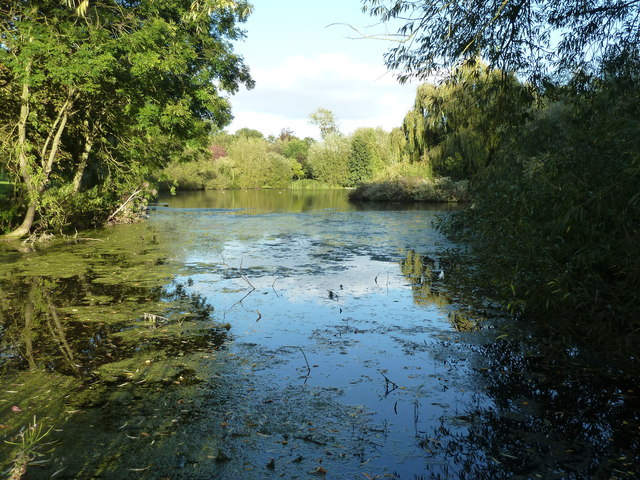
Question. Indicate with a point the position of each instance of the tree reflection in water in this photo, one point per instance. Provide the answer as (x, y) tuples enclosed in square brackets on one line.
[(554, 410), (105, 355)]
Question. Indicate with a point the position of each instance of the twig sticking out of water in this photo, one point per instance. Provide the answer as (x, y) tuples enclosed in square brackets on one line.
[(274, 283), (303, 354), (242, 275), (239, 302), (388, 382)]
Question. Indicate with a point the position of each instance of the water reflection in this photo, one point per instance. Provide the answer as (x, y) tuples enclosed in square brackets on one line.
[(94, 348), (545, 408), (427, 276), (290, 201), (552, 416), (355, 346)]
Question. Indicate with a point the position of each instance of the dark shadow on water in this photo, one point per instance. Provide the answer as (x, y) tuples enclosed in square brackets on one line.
[(138, 379), (555, 410)]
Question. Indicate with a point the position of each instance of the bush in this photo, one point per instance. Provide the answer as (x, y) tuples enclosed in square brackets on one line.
[(556, 219), (413, 190), (249, 164)]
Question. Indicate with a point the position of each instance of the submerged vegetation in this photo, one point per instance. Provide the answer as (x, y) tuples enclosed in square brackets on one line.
[(99, 333)]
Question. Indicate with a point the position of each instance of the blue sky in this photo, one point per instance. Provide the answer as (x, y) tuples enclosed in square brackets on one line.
[(302, 56)]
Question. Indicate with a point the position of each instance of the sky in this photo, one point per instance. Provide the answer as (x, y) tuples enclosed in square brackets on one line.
[(303, 55)]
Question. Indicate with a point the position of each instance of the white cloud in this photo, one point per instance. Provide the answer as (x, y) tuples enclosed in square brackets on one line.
[(359, 94)]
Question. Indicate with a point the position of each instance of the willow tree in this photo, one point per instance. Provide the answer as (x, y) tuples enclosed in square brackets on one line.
[(457, 125), (555, 216), (537, 38), (121, 87)]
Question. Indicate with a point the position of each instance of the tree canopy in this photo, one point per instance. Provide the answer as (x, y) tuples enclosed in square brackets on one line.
[(458, 124), (93, 102), (532, 37), (326, 121)]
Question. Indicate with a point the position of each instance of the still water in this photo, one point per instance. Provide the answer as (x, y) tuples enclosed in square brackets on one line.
[(280, 334)]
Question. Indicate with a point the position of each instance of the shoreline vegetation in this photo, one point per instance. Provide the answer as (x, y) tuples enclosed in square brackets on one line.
[(405, 190), (550, 164)]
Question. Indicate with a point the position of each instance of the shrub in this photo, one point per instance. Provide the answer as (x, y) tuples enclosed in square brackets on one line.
[(555, 220), (329, 160), (413, 190)]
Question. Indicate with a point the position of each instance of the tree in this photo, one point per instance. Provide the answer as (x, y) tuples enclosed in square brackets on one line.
[(555, 218), (326, 121), (119, 92), (249, 133), (298, 150), (329, 160), (458, 124), (527, 36), (365, 157)]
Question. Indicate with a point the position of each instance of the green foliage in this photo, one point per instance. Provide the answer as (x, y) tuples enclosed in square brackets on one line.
[(395, 171), (329, 160), (108, 99), (413, 190), (458, 124), (309, 184), (556, 219), (326, 121), (512, 36), (249, 164), (298, 150), (258, 167), (365, 158), (249, 133)]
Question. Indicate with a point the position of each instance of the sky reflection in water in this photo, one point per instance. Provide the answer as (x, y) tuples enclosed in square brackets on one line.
[(347, 355)]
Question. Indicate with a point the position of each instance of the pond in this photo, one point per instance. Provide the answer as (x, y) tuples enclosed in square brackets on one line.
[(289, 334)]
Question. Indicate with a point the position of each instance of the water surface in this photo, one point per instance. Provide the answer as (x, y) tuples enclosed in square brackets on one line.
[(279, 334)]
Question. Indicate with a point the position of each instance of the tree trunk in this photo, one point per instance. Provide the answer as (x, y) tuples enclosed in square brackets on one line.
[(84, 158), (24, 228), (34, 191)]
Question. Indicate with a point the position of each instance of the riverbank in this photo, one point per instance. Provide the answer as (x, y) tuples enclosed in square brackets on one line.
[(413, 190)]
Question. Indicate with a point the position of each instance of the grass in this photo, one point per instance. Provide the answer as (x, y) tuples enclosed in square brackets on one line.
[(308, 184), (30, 438)]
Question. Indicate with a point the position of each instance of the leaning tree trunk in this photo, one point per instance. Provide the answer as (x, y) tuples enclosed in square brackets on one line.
[(25, 226), (47, 156), (29, 217), (89, 137)]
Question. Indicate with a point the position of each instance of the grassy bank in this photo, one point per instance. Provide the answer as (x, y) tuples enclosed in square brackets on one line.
[(413, 190)]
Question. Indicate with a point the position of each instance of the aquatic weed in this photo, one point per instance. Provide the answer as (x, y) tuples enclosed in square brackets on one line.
[(29, 443)]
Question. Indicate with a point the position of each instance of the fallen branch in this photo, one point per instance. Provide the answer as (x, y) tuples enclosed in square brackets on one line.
[(274, 284), (388, 382), (303, 354), (244, 277), (126, 202), (239, 302)]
